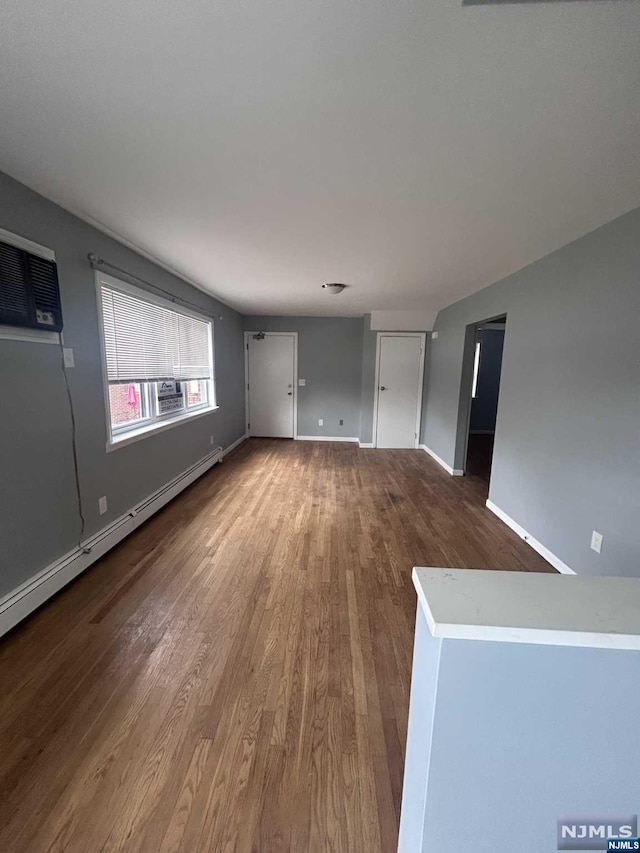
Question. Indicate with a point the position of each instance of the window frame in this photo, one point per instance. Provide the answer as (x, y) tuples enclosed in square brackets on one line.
[(153, 423), (119, 429), (206, 384), (477, 361)]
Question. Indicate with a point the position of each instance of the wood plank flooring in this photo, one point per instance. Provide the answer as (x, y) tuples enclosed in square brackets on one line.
[(235, 675)]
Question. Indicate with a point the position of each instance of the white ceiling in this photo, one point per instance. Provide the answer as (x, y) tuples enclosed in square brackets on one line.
[(416, 149)]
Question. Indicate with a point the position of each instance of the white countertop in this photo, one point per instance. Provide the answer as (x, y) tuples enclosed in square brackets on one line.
[(526, 607)]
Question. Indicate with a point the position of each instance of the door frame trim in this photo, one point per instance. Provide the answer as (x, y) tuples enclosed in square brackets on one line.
[(294, 335), (423, 346)]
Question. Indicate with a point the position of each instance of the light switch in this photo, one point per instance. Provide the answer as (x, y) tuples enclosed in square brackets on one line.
[(302, 381), (69, 360)]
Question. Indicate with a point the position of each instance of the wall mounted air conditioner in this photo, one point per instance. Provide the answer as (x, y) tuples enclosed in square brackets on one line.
[(29, 291)]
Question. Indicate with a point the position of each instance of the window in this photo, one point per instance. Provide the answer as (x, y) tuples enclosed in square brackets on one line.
[(476, 371), (158, 361)]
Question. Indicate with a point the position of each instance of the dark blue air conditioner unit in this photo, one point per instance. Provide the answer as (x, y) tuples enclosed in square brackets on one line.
[(29, 291)]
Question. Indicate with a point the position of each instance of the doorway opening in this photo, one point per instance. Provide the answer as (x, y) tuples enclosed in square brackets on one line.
[(488, 345)]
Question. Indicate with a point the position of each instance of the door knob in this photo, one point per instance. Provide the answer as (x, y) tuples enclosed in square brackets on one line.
[(289, 393), (382, 388)]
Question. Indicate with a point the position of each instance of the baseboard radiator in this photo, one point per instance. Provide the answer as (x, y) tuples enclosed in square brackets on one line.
[(23, 600)]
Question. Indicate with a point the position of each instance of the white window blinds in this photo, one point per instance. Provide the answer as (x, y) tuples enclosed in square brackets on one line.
[(146, 342)]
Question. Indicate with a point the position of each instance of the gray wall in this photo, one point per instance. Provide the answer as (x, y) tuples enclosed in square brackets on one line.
[(368, 390), (566, 456), (330, 359), (39, 520), (484, 408)]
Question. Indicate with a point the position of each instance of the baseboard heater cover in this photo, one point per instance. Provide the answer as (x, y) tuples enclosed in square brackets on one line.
[(23, 600)]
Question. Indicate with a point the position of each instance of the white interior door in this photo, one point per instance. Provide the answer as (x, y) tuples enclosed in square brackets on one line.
[(399, 392), (271, 380)]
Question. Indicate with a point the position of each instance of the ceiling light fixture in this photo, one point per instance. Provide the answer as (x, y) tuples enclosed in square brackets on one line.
[(334, 287)]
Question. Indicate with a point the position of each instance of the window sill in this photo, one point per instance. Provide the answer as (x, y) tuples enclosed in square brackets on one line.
[(130, 436), (31, 336)]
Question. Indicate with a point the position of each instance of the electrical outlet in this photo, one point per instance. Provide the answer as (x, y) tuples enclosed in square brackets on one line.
[(320, 422), (596, 541), (302, 381), (341, 422), (102, 504), (69, 360)]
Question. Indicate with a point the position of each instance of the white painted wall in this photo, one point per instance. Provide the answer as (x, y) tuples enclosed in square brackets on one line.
[(403, 321)]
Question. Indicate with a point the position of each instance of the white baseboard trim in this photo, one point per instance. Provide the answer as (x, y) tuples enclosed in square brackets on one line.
[(556, 562), (324, 438), (365, 444), (235, 444), (455, 472), (23, 600)]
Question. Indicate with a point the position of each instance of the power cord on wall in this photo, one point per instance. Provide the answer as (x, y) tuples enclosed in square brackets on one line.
[(74, 448)]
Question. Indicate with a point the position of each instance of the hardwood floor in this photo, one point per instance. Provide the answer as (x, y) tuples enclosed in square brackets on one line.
[(235, 675)]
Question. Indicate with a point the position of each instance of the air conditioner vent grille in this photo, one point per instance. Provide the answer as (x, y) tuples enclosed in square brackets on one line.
[(44, 278), (29, 292), (14, 300)]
